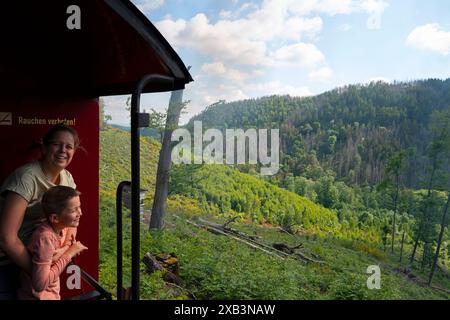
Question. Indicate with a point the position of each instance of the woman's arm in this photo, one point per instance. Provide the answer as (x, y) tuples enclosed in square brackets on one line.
[(10, 221)]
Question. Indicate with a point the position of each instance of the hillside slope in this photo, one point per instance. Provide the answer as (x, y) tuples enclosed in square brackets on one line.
[(233, 192), (217, 267), (115, 160), (351, 130)]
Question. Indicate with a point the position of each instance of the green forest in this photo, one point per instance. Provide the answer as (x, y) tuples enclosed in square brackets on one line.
[(364, 180)]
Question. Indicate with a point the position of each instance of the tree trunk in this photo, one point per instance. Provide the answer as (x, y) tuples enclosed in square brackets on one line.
[(426, 247), (397, 178), (416, 242), (154, 264), (443, 135), (419, 232), (401, 248), (164, 163), (422, 265), (441, 234)]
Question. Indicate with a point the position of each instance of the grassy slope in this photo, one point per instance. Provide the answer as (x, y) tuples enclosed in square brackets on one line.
[(231, 192), (215, 267)]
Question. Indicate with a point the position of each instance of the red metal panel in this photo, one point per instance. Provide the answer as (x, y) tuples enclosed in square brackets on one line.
[(24, 121)]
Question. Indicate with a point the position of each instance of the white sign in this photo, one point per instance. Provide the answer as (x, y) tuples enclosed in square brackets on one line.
[(5, 118)]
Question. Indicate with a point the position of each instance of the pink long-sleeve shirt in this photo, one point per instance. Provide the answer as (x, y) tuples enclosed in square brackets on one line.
[(44, 282)]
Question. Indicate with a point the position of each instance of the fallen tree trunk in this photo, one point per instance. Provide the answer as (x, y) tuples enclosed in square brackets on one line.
[(250, 241), (299, 255), (217, 231), (153, 265)]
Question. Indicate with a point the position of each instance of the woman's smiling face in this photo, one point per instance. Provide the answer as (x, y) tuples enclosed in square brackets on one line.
[(60, 150)]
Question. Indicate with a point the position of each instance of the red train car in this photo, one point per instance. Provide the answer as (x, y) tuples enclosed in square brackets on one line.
[(57, 58)]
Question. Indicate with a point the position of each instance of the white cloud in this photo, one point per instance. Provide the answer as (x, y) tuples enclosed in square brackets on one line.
[(244, 40), (334, 7), (233, 15), (220, 40), (247, 6), (430, 37), (321, 74), (115, 107), (274, 20), (276, 87), (171, 29), (374, 8), (299, 54), (252, 39), (225, 14), (297, 27), (214, 68), (148, 5), (218, 68), (329, 7)]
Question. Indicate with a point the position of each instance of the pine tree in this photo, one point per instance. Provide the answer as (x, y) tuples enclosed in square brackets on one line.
[(437, 152), (394, 169)]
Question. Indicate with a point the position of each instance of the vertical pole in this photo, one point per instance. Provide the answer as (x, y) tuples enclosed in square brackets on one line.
[(137, 121), (119, 265), (135, 189)]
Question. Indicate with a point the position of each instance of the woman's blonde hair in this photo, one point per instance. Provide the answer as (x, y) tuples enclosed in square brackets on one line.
[(46, 140)]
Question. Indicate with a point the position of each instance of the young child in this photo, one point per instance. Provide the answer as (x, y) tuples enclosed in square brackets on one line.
[(50, 251)]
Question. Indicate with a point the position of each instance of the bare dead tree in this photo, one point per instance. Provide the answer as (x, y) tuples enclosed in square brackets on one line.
[(159, 208)]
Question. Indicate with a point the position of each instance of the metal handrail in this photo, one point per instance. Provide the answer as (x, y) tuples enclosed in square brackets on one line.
[(98, 293), (119, 233)]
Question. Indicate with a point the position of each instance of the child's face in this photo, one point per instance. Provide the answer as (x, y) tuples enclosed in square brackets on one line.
[(70, 217)]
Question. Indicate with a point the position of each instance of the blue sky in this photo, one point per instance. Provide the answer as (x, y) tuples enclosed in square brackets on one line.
[(242, 49)]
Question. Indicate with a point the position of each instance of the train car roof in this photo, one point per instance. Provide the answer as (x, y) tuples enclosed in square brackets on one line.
[(114, 48)]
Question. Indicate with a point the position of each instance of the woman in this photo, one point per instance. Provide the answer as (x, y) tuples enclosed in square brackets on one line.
[(21, 210)]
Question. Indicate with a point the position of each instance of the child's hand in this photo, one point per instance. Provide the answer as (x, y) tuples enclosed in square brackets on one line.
[(75, 249), (70, 241), (59, 252)]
